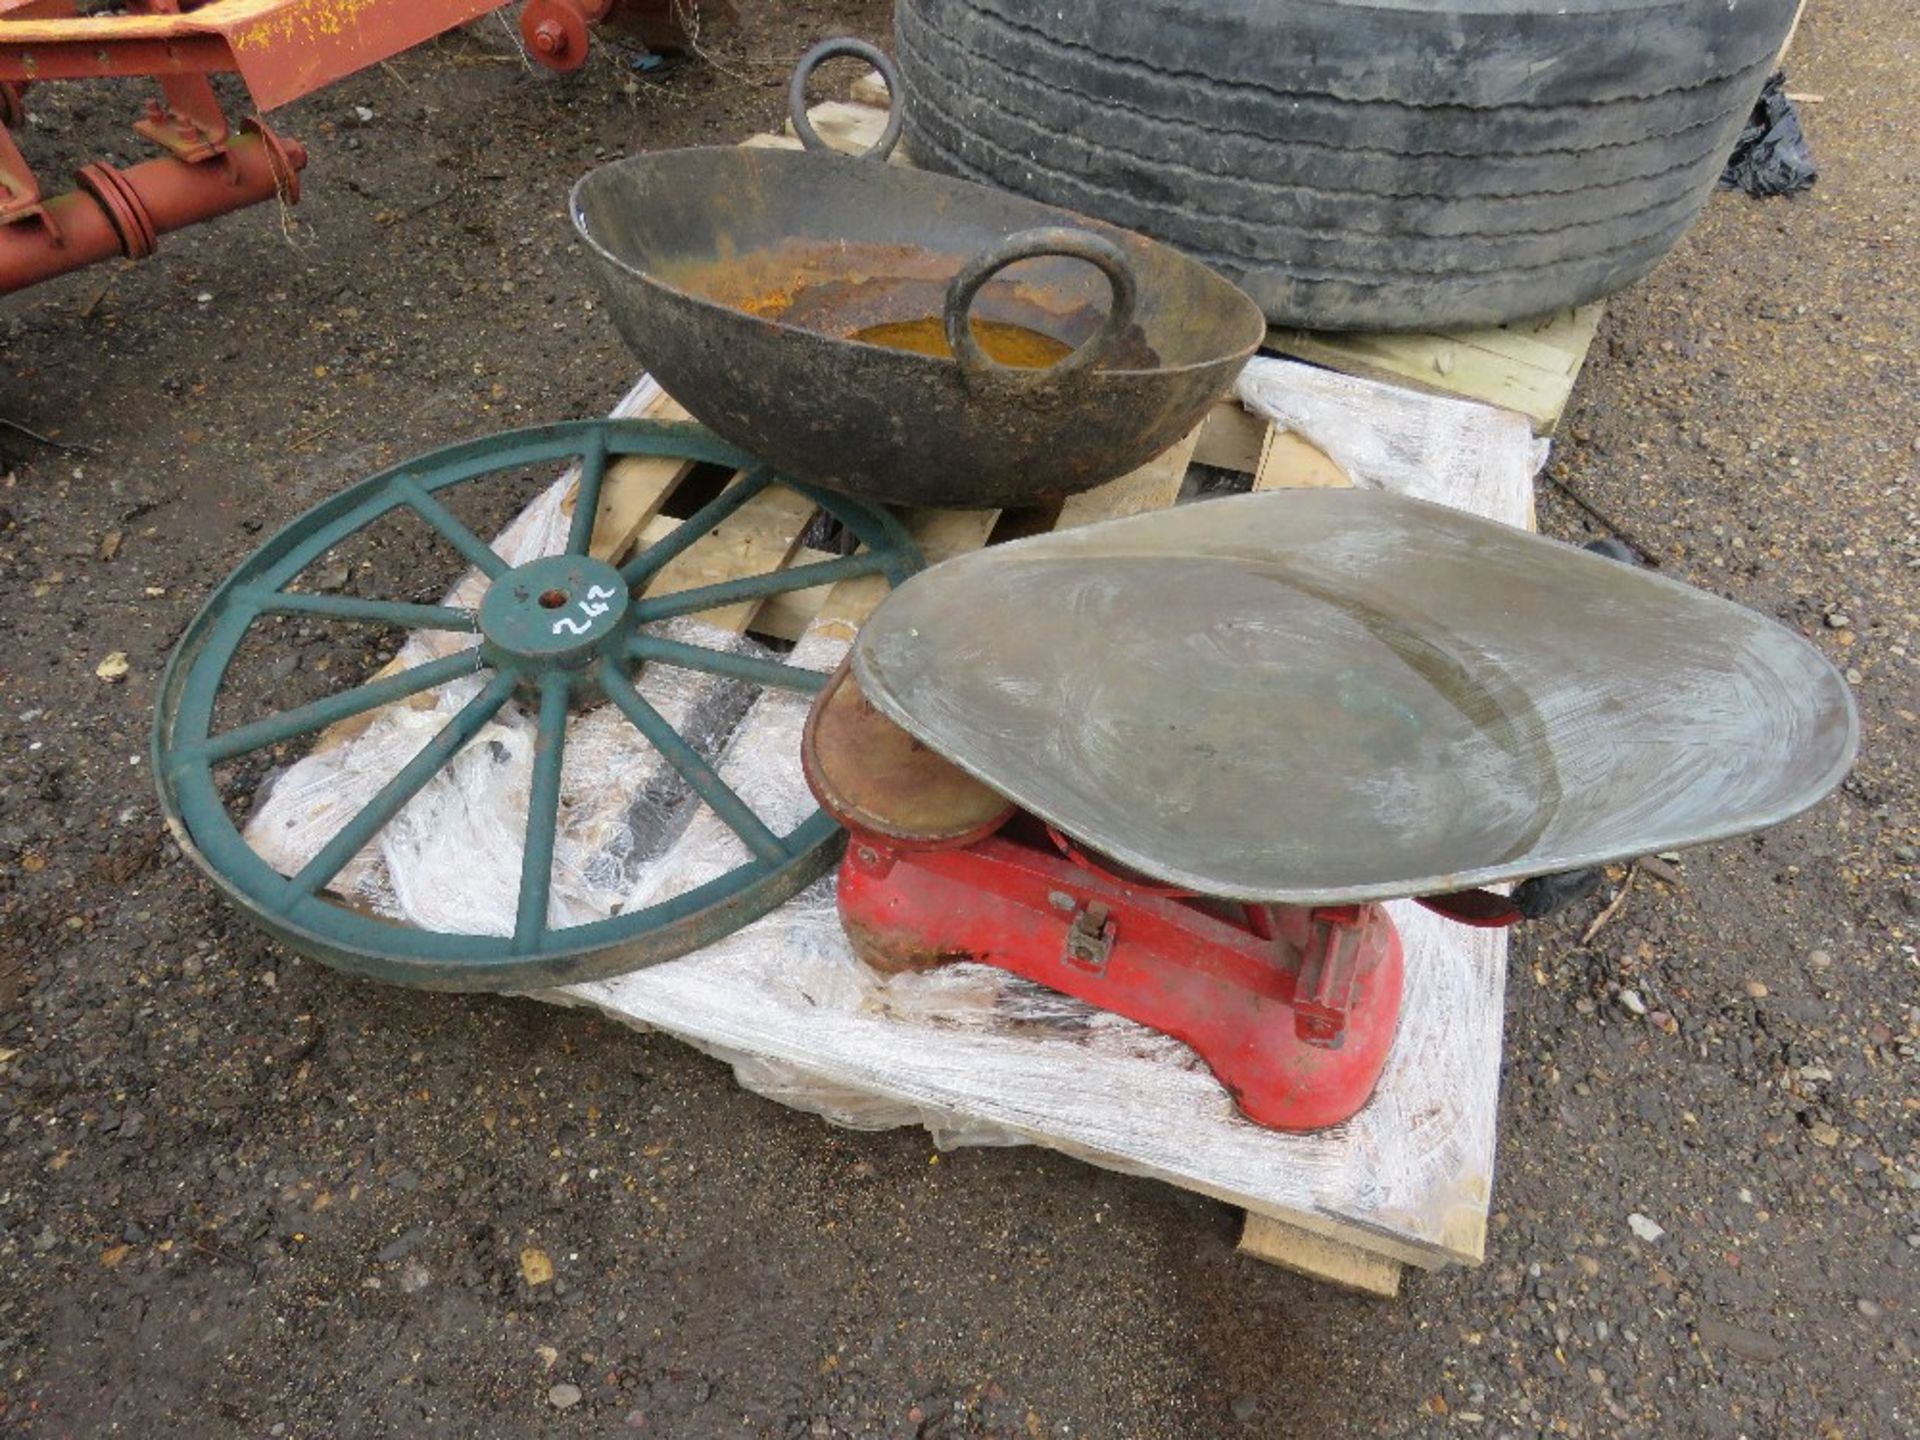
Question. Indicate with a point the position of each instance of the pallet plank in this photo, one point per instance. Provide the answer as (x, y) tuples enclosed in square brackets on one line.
[(1293, 462), (1153, 486), (850, 128), (635, 488), (940, 534), (1318, 1256), (1231, 438), (759, 537), (1528, 366)]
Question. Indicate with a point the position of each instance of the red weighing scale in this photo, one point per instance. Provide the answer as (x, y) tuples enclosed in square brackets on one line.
[(1173, 764)]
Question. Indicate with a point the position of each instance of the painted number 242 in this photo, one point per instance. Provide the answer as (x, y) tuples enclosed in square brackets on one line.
[(593, 607)]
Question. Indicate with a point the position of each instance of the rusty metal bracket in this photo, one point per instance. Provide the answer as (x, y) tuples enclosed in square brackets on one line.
[(281, 49)]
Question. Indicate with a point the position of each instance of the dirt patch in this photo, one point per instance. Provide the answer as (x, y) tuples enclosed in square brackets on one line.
[(243, 1195)]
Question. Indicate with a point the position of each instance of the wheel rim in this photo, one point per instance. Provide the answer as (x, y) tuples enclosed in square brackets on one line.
[(553, 633)]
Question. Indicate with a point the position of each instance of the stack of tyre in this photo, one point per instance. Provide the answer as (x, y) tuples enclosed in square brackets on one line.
[(1355, 164)]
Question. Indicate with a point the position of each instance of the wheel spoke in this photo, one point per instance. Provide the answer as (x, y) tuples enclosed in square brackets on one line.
[(477, 552), (754, 587), (655, 558), (543, 815), (586, 494), (305, 719), (706, 783), (721, 662), (394, 795), (373, 612)]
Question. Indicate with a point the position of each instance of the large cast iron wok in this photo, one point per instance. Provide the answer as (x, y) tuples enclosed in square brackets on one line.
[(741, 278)]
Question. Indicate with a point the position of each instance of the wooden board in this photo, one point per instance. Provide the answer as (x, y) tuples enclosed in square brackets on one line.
[(1334, 1261), (846, 126), (1289, 461), (1527, 365)]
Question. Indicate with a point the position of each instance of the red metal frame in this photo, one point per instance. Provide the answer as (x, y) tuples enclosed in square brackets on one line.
[(281, 49), (1294, 1010)]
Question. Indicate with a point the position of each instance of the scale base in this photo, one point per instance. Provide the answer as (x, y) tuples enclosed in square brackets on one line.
[(1293, 1009)]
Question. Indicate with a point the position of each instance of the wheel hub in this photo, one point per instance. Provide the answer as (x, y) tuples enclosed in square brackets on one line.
[(557, 612)]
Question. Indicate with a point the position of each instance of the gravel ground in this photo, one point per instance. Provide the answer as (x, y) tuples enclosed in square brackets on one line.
[(244, 1196)]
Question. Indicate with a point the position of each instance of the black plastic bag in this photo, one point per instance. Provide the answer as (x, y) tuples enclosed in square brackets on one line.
[(1771, 156)]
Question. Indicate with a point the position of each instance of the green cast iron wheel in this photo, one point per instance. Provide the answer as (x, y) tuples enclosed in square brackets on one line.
[(525, 652)]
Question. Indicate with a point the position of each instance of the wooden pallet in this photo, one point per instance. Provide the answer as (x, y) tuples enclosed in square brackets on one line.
[(1353, 1251), (1407, 1183), (1338, 1242)]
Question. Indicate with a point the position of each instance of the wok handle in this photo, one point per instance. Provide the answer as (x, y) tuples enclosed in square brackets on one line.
[(1084, 245), (828, 50)]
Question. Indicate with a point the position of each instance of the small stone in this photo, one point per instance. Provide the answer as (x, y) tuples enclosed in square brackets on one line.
[(205, 297), (1244, 1408), (1630, 1000), (535, 1267), (1824, 1134), (363, 114), (1645, 1228), (1819, 1074), (1856, 677), (1839, 620), (563, 1396), (1819, 959), (1741, 1341), (1872, 1309), (547, 1356), (1757, 989), (113, 668), (414, 1277)]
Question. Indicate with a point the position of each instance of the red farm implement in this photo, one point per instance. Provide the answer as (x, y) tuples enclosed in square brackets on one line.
[(280, 49)]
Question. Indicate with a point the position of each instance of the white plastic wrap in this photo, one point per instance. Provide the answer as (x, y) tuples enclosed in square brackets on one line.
[(1453, 452)]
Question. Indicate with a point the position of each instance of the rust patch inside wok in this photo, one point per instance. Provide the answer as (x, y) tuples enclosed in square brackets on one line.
[(893, 295), (1013, 345)]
